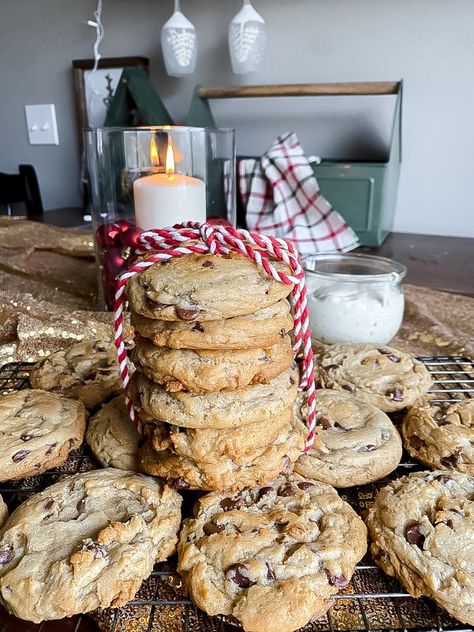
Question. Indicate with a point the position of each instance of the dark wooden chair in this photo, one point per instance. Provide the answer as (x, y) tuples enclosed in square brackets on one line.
[(21, 187)]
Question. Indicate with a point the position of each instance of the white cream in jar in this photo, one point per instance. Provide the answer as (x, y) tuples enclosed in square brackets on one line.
[(354, 298)]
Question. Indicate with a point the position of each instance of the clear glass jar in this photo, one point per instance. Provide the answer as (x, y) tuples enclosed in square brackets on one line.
[(354, 298)]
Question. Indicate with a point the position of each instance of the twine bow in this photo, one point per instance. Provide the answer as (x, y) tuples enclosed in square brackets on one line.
[(162, 244)]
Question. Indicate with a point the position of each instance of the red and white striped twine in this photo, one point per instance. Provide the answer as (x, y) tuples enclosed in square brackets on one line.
[(165, 243)]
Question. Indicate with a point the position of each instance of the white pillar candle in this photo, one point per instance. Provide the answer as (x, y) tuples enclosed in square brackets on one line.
[(165, 199)]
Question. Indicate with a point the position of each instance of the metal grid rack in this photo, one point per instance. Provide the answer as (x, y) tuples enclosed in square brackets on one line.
[(372, 601)]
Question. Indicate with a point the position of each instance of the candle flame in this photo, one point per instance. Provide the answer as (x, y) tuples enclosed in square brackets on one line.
[(154, 157), (169, 163)]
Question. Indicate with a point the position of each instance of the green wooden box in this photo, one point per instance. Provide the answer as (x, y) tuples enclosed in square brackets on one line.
[(365, 193)]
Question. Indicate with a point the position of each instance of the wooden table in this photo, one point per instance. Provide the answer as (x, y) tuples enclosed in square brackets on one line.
[(442, 263)]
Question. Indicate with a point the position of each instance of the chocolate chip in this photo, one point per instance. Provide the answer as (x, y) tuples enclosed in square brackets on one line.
[(348, 387), (395, 394), (451, 460), (416, 442), (292, 381), (27, 437), (324, 423), (413, 535), (99, 346), (49, 503), (20, 455), (282, 333), (286, 490), (208, 264), (270, 573), (198, 327), (80, 506), (330, 367), (305, 485), (367, 448), (263, 491), (178, 483), (6, 554), (440, 416), (210, 527), (337, 580), (97, 549), (187, 314), (391, 356), (280, 539), (237, 574), (155, 305), (50, 449), (281, 525), (228, 504)]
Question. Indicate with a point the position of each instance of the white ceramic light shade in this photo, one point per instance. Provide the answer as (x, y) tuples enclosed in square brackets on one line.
[(179, 44), (247, 40)]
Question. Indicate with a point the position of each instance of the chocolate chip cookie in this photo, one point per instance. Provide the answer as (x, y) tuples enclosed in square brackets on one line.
[(262, 328), (112, 437), (37, 431), (272, 556), (441, 434), (87, 371), (241, 443), (357, 443), (232, 469), (84, 543), (204, 287), (223, 409), (421, 528), (204, 371), (383, 376)]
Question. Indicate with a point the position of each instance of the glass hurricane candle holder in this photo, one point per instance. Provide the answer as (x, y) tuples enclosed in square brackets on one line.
[(152, 177)]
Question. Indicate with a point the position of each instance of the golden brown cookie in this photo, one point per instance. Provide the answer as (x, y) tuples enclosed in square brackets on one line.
[(223, 409), (204, 287), (441, 434), (38, 430), (204, 371), (228, 469), (358, 443), (379, 375), (262, 328), (113, 438), (421, 527), (84, 543), (87, 371), (272, 556)]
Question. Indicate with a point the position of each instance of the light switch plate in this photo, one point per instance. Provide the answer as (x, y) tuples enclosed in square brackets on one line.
[(41, 124)]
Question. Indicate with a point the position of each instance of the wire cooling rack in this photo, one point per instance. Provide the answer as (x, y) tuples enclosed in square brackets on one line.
[(372, 600)]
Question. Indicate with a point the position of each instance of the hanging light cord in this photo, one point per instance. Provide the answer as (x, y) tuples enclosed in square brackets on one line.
[(96, 23)]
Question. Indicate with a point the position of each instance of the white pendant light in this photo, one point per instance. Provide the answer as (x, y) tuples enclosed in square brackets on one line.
[(247, 39), (179, 44)]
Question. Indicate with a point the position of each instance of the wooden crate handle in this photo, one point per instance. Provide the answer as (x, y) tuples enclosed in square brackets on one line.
[(301, 90)]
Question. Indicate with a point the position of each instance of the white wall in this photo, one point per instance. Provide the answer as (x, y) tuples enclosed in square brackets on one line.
[(428, 42)]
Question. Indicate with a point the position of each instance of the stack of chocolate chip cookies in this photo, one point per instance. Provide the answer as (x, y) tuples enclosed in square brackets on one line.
[(215, 382)]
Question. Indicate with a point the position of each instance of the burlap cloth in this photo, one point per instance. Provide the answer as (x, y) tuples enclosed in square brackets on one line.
[(49, 300)]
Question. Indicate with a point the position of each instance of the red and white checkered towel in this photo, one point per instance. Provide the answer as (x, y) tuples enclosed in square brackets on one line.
[(282, 198)]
